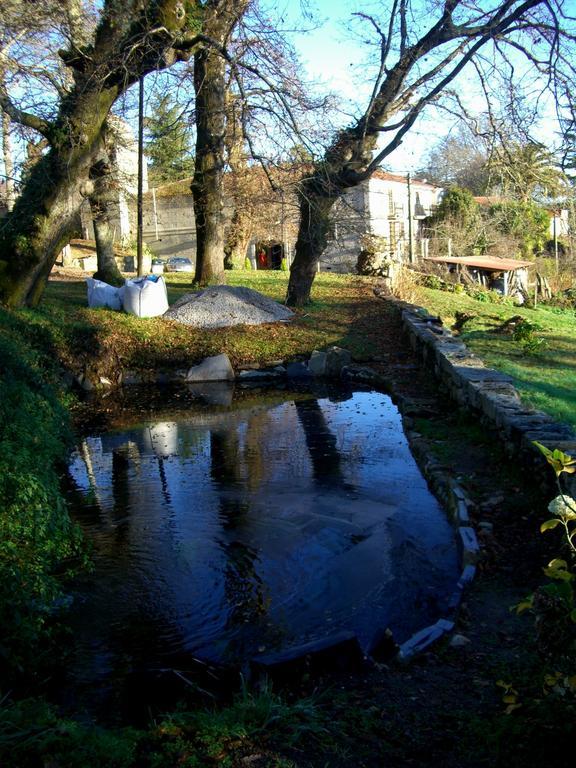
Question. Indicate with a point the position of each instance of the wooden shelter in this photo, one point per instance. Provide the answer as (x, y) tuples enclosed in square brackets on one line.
[(507, 276)]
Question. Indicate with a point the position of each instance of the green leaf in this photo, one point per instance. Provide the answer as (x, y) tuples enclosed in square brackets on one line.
[(523, 606), (559, 461), (549, 525), (558, 570)]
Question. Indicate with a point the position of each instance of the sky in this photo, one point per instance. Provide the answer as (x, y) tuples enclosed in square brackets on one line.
[(332, 54)]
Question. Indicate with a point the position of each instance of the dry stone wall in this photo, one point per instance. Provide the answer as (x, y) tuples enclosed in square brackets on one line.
[(488, 393)]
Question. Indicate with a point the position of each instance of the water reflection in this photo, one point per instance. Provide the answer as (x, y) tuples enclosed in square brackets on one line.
[(228, 532)]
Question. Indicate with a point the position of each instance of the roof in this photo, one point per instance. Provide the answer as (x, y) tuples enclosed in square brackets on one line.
[(490, 263), (386, 176)]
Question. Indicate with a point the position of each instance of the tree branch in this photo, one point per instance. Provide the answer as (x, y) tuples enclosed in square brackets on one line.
[(26, 119)]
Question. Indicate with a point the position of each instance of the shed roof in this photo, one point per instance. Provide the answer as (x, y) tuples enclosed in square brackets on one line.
[(489, 263)]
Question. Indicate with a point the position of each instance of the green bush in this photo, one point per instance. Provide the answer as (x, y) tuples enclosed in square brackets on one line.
[(526, 221), (525, 335), (38, 542)]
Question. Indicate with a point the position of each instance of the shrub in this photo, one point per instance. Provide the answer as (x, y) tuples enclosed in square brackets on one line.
[(37, 538), (525, 335)]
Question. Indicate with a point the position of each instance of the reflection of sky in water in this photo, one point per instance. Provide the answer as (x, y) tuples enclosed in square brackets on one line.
[(222, 534)]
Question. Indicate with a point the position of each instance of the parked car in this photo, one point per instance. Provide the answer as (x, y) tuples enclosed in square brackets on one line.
[(179, 264), (157, 267)]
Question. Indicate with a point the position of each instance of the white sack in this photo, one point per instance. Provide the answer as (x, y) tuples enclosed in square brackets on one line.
[(103, 295), (146, 296)]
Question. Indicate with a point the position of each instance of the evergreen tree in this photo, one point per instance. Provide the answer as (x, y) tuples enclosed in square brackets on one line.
[(524, 171), (169, 145)]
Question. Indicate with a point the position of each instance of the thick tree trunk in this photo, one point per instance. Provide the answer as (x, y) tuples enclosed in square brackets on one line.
[(207, 191), (44, 216), (107, 270), (237, 238), (315, 207), (102, 205)]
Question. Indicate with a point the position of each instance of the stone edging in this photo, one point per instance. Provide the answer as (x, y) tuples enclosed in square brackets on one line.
[(487, 393)]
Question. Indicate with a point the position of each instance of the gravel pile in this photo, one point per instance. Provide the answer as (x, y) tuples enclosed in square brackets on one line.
[(222, 305)]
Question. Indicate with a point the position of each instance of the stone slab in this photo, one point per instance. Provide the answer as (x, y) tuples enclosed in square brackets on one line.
[(216, 368), (477, 374), (421, 641), (469, 544)]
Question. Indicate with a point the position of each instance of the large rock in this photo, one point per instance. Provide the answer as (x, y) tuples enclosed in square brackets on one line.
[(217, 368), (317, 363), (336, 359), (329, 363), (223, 305)]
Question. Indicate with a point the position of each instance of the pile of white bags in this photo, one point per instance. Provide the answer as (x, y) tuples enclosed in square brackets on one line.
[(141, 296), (146, 296), (103, 295)]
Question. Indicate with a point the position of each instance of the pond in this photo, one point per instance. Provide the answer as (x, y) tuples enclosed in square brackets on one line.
[(225, 531)]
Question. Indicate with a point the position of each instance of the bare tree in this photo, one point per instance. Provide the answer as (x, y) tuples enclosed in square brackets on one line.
[(251, 102), (416, 65), (460, 159)]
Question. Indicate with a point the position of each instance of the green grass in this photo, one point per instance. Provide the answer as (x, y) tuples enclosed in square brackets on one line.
[(343, 312), (143, 343), (545, 379)]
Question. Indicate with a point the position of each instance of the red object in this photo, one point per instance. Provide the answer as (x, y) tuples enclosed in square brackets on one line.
[(262, 258)]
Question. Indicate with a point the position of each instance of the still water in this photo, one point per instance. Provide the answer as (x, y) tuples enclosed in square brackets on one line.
[(228, 532)]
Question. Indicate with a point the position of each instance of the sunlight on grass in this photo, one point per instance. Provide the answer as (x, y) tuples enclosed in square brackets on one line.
[(155, 342)]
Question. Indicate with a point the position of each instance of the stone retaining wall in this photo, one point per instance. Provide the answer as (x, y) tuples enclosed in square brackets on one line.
[(488, 393)]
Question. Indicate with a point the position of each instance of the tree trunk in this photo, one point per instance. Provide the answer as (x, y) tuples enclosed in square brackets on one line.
[(103, 202), (237, 238), (315, 207), (210, 86), (8, 162), (45, 214)]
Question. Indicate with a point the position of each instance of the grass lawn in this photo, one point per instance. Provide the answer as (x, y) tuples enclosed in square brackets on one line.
[(343, 312), (546, 379), (339, 301)]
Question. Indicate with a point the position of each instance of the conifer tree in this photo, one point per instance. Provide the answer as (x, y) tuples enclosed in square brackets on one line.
[(169, 146)]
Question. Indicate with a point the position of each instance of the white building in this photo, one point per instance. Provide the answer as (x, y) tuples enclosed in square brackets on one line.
[(388, 207), (123, 156)]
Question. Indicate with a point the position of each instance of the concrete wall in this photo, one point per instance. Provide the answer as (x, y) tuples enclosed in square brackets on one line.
[(169, 225)]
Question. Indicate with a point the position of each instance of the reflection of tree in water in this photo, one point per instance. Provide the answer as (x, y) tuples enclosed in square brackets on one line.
[(256, 465), (227, 477), (321, 444), (243, 587), (121, 458)]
